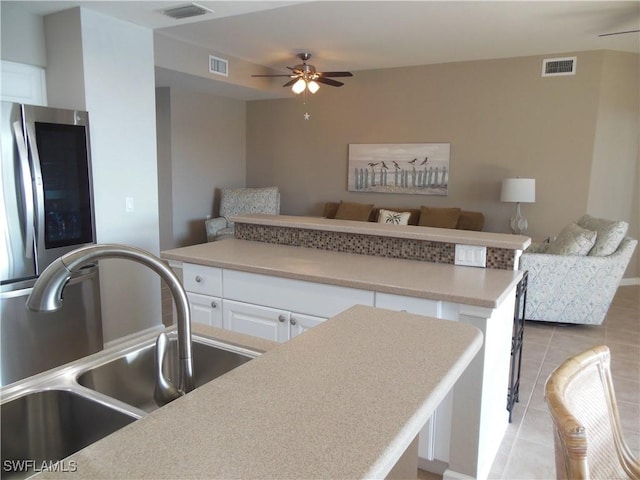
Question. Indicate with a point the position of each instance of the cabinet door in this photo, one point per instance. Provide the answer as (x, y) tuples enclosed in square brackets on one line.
[(205, 309), (300, 323), (263, 322)]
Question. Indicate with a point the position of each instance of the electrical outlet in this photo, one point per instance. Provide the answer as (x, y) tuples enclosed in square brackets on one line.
[(128, 204), (471, 256)]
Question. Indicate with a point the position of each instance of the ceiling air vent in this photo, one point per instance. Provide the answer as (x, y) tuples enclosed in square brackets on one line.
[(218, 65), (186, 11), (553, 67)]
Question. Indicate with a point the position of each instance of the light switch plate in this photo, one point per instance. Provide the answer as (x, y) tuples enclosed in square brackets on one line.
[(471, 255)]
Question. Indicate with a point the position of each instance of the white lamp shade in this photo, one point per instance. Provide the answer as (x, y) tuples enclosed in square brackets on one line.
[(313, 86), (299, 86), (522, 190)]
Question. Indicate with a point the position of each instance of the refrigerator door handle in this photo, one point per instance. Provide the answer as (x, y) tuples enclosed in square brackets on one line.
[(38, 198), (27, 191)]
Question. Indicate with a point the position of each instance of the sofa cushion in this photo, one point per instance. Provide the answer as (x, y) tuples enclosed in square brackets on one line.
[(414, 213), (330, 209), (470, 221), (439, 217), (354, 211), (394, 218), (610, 234), (573, 240)]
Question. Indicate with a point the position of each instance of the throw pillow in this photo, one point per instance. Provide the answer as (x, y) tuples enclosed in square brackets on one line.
[(439, 217), (610, 234), (573, 240), (395, 218), (354, 211)]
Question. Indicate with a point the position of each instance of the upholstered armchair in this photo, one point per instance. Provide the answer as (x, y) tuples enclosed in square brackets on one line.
[(576, 284), (241, 201)]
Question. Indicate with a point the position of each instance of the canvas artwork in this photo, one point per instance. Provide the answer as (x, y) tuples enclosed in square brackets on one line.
[(421, 168)]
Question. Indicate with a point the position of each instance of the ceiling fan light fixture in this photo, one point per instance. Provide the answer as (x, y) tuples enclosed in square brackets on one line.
[(299, 86), (313, 86)]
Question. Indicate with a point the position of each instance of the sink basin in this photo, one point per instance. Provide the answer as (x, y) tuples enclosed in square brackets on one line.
[(47, 426), (130, 378)]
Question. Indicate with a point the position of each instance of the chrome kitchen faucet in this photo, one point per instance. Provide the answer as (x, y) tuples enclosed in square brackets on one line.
[(47, 297)]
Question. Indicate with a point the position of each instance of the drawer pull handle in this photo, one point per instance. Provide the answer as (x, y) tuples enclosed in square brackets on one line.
[(281, 318), (198, 279), (214, 304), (293, 321)]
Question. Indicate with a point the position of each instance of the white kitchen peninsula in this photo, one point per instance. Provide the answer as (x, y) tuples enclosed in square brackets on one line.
[(267, 285)]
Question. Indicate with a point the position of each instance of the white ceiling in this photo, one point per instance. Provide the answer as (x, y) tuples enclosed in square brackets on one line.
[(362, 35)]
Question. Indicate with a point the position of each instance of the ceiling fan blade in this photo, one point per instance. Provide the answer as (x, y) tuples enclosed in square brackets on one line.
[(328, 81), (290, 82), (335, 74), (296, 70), (618, 33), (271, 75)]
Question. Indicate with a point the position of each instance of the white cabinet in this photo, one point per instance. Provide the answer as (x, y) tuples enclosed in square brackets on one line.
[(310, 298), (419, 306), (22, 83), (300, 323), (204, 291), (435, 437), (205, 309), (256, 320), (265, 322), (202, 279), (279, 308)]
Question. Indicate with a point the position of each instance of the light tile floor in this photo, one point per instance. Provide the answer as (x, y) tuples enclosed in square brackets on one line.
[(527, 449)]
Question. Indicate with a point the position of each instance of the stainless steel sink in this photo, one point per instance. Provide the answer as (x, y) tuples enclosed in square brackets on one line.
[(129, 378), (51, 415), (43, 427)]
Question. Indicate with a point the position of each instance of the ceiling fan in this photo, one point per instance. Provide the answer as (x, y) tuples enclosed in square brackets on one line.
[(618, 33), (306, 77)]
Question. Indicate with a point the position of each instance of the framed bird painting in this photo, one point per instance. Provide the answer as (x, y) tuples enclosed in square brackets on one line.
[(416, 168)]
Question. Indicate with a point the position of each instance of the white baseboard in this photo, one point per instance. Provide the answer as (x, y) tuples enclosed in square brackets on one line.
[(451, 475), (630, 281)]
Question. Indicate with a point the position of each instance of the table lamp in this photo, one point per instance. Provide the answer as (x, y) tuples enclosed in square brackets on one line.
[(518, 190)]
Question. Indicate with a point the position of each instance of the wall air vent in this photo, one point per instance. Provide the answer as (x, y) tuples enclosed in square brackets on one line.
[(218, 65), (186, 11), (553, 67)]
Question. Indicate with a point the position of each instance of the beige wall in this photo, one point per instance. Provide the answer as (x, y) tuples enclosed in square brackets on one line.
[(105, 65), (202, 149), (501, 118), (615, 172)]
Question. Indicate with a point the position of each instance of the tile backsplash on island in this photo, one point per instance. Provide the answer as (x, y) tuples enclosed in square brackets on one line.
[(367, 244)]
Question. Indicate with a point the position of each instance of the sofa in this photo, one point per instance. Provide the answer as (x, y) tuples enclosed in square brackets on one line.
[(574, 278), (241, 201), (440, 217)]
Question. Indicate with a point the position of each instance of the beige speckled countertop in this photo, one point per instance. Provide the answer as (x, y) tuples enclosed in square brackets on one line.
[(448, 235), (343, 400), (482, 287)]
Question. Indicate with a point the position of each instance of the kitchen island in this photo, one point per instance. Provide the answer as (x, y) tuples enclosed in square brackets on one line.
[(276, 291), (345, 400)]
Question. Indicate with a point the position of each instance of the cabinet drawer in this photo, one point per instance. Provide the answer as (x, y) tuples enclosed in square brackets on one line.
[(418, 306), (201, 279), (300, 296)]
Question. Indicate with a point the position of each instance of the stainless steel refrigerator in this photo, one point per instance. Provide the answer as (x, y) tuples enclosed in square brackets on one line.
[(46, 197)]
